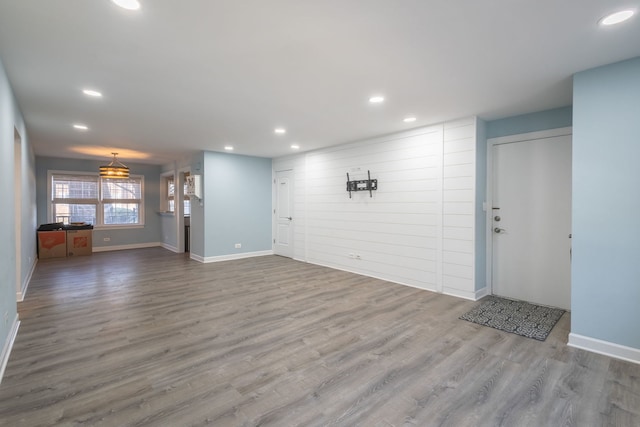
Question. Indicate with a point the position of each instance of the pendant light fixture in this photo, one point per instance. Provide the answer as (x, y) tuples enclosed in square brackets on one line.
[(115, 169)]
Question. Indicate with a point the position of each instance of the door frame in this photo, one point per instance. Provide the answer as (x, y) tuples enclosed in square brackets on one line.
[(522, 137), (179, 208)]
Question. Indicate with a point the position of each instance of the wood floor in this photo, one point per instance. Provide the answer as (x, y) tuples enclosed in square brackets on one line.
[(150, 338)]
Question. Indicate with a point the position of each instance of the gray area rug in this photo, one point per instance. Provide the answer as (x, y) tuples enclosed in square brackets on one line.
[(518, 317)]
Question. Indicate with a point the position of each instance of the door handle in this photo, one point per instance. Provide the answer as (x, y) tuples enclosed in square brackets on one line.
[(289, 218), (499, 230)]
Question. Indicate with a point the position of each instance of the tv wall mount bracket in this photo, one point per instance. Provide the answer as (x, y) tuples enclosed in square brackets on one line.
[(362, 184)]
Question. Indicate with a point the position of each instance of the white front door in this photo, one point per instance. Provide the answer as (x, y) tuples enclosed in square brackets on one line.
[(531, 220), (283, 239)]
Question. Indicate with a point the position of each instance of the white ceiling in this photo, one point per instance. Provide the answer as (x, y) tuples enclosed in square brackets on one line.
[(189, 75)]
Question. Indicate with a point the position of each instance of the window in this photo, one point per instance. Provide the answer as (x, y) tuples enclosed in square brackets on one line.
[(121, 200), (171, 194), (187, 200), (168, 201), (95, 200), (168, 194)]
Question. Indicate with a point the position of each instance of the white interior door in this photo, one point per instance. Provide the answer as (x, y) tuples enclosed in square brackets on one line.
[(283, 239), (531, 221)]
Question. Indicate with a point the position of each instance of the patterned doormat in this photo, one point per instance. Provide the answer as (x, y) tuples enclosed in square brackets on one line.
[(517, 317)]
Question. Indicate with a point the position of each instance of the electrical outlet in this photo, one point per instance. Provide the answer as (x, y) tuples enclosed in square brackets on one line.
[(106, 239), (238, 245)]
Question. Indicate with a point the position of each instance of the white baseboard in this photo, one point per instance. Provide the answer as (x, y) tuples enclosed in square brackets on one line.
[(8, 345), (470, 295), (481, 293), (386, 279), (606, 348), (169, 247), (196, 257), (229, 257), (125, 247), (22, 292)]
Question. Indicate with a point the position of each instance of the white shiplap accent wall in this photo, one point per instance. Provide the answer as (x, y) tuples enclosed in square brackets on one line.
[(459, 189), (417, 229)]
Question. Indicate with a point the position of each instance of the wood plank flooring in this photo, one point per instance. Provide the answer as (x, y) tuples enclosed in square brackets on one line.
[(150, 338)]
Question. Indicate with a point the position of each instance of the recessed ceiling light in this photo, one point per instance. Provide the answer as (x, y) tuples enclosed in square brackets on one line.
[(228, 147), (409, 119), (93, 93), (80, 126), (280, 130), (295, 146), (128, 4), (376, 99), (617, 17)]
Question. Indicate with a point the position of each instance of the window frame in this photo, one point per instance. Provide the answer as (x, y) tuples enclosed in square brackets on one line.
[(99, 202), (166, 199)]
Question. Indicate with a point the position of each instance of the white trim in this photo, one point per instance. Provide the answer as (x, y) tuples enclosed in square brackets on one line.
[(481, 293), (333, 267), (196, 257), (531, 136), (606, 348), (170, 247), (23, 292), (179, 207), (439, 207), (306, 207), (125, 247), (116, 227), (230, 257), (8, 345), (473, 296), (521, 137)]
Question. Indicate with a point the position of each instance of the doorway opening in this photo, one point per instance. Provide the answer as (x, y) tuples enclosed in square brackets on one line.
[(186, 212)]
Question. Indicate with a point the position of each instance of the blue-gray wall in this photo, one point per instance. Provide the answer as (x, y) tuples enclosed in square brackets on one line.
[(605, 292), (237, 204), (533, 122), (10, 120), (150, 233)]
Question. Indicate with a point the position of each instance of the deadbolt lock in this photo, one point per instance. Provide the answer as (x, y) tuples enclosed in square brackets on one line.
[(496, 218)]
